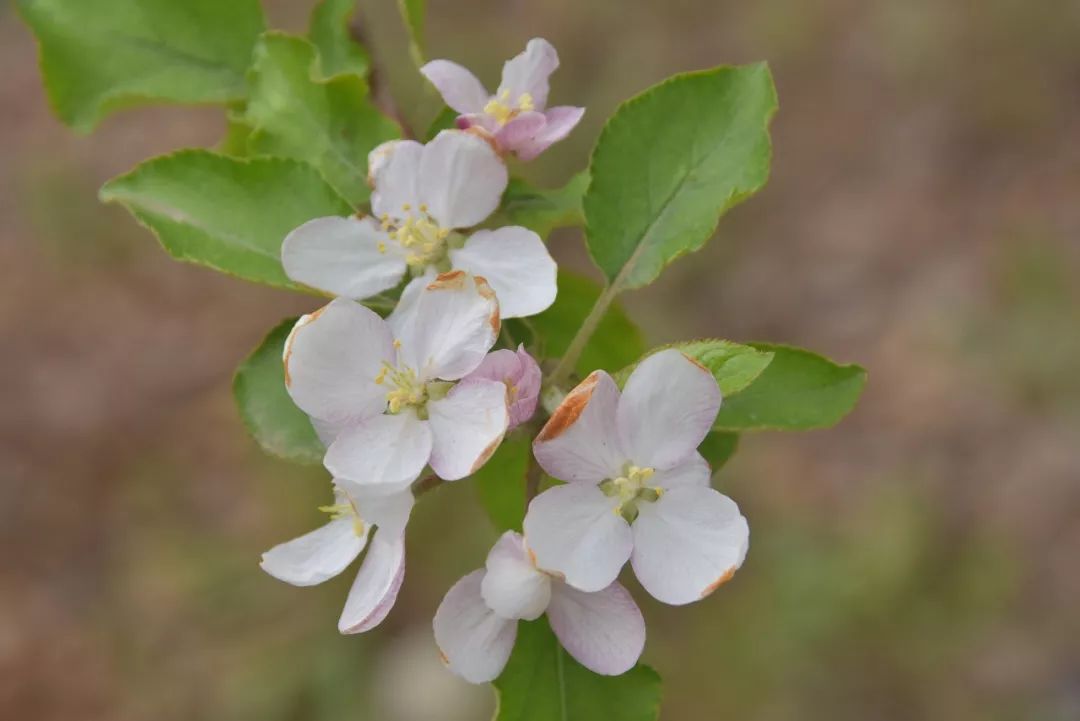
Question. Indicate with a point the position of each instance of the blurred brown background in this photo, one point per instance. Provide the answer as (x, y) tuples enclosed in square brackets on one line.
[(920, 561)]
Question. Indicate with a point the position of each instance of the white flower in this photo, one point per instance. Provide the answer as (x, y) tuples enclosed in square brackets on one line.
[(424, 194), (325, 552), (514, 117), (476, 623), (383, 394), (637, 487)]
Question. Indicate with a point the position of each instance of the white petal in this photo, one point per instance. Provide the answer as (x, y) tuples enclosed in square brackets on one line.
[(604, 630), (475, 642), (458, 87), (688, 543), (449, 326), (667, 407), (378, 159), (327, 431), (349, 257), (376, 586), (694, 471), (461, 179), (396, 181), (574, 531), (580, 441), (517, 265), (466, 427), (385, 452), (315, 556), (513, 587), (388, 511), (528, 72), (332, 358)]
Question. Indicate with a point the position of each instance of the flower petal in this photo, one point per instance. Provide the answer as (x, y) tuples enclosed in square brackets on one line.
[(667, 407), (513, 587), (688, 543), (474, 641), (349, 257), (378, 159), (580, 441), (385, 452), (519, 129), (396, 180), (316, 556), (446, 329), (694, 471), (528, 72), (458, 87), (604, 631), (467, 427), (559, 122), (376, 586), (521, 374), (332, 358), (516, 263), (461, 179), (389, 512), (573, 530)]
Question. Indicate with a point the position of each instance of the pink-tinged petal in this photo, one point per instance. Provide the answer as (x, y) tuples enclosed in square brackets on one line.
[(478, 122), (516, 263), (447, 328), (461, 179), (580, 442), (349, 257), (688, 543), (474, 641), (388, 511), (384, 453), (520, 373), (376, 586), (316, 556), (528, 72), (467, 427), (396, 181), (604, 631), (667, 407), (519, 129), (513, 587), (574, 530), (560, 121), (332, 357), (694, 471), (458, 87)]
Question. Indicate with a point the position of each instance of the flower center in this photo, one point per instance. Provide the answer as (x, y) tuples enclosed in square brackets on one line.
[(503, 111), (344, 510), (407, 390), (420, 235), (631, 490)]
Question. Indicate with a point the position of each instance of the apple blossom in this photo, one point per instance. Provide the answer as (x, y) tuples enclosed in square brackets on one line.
[(325, 552), (521, 375), (383, 393), (637, 488), (424, 194), (476, 623)]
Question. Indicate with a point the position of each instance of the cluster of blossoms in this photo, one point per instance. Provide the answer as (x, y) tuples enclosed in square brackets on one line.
[(424, 389)]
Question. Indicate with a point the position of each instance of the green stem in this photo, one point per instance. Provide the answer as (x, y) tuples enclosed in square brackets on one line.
[(566, 364)]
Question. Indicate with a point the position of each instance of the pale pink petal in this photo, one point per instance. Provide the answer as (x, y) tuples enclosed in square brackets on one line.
[(513, 587), (315, 556), (603, 630), (376, 586), (388, 511), (559, 122), (349, 257), (474, 641), (580, 441), (461, 179), (327, 431), (528, 72), (694, 471), (395, 194), (332, 358), (467, 427), (516, 263), (519, 129), (520, 373), (574, 530), (458, 87), (688, 543), (667, 407), (385, 452)]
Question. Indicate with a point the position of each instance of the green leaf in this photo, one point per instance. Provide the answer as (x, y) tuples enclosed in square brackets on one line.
[(670, 162), (542, 682), (718, 447), (278, 426), (445, 120), (798, 391), (733, 365), (412, 14), (225, 213), (501, 483), (617, 340), (329, 31), (544, 210), (104, 55), (330, 124)]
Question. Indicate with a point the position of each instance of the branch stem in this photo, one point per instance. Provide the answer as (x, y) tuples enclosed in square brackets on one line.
[(566, 364)]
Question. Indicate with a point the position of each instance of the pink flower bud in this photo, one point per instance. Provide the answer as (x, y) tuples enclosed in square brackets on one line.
[(521, 374)]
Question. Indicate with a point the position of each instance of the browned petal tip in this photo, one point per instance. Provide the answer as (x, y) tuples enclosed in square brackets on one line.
[(724, 578), (443, 658), (570, 409), (304, 320), (452, 280), (487, 454), (698, 363)]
